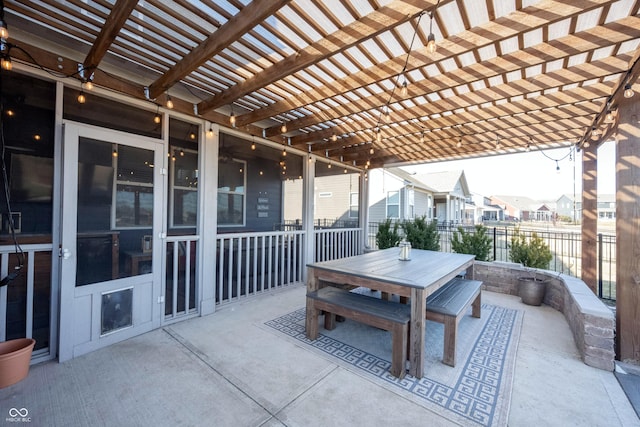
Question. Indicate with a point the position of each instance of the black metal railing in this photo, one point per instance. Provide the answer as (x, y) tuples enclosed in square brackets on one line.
[(566, 247)]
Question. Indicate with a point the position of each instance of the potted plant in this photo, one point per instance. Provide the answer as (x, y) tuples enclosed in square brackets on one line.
[(533, 254), (15, 358), (478, 243)]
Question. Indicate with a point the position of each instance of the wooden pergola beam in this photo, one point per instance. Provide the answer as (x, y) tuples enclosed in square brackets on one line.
[(372, 25), (113, 24), (247, 18), (546, 12)]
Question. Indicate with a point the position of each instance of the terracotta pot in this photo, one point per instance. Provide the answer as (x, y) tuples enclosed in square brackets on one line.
[(532, 290), (15, 357)]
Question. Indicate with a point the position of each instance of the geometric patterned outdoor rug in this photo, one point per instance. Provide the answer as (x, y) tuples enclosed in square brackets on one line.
[(476, 392)]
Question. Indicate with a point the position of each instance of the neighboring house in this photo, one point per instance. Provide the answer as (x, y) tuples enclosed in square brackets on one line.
[(395, 193), (565, 207), (606, 207), (478, 208), (522, 208), (450, 192)]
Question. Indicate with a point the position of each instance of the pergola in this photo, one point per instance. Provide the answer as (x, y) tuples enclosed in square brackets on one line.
[(359, 82)]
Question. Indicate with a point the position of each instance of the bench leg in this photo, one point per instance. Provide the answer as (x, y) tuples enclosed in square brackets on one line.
[(399, 341), (329, 321), (311, 321), (450, 332), (476, 306)]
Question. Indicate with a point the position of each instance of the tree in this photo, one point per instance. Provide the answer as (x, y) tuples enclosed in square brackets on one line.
[(386, 237), (533, 253), (422, 235), (478, 243)]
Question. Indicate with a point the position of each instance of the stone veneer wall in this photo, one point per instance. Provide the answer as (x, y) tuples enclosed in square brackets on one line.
[(591, 322)]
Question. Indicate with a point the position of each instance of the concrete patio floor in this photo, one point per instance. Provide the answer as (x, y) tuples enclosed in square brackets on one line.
[(227, 370)]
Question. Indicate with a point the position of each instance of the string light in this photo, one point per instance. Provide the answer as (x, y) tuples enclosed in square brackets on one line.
[(459, 144), (283, 128), (232, 117), (169, 103), (431, 39), (4, 30), (334, 137), (5, 61), (628, 91), (81, 98), (404, 89), (609, 117), (210, 132), (156, 118)]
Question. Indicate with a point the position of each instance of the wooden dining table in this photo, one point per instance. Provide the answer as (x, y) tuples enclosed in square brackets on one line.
[(382, 270)]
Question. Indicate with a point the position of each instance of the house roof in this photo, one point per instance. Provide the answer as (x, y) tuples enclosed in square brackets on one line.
[(506, 76), (446, 182), (519, 202), (411, 178)]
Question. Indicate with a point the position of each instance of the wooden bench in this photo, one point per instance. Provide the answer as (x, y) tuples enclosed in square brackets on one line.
[(375, 312), (448, 304)]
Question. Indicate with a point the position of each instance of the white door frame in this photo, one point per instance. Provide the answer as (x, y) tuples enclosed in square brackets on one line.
[(79, 331)]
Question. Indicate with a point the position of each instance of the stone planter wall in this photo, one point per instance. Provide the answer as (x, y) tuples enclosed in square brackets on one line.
[(592, 323)]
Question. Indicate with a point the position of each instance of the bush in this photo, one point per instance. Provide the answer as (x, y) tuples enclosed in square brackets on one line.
[(386, 237), (533, 253), (478, 243), (422, 235)]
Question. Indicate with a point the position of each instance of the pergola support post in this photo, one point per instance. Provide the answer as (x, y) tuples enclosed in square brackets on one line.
[(589, 216), (628, 231)]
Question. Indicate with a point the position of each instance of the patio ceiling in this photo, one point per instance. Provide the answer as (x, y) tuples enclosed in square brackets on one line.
[(507, 75)]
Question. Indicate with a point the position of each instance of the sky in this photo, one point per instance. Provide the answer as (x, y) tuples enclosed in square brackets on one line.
[(531, 174)]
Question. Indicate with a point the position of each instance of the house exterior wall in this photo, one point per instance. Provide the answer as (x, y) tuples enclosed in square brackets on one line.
[(333, 195), (380, 184)]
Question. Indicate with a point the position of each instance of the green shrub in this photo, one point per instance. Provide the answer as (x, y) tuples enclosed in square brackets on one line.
[(422, 235), (477, 243), (387, 237), (533, 253)]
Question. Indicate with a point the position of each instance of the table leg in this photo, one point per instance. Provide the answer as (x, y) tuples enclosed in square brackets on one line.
[(418, 325), (311, 319)]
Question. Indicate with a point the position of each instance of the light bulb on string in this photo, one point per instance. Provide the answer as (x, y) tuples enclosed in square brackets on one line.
[(628, 91), (459, 144), (81, 98), (4, 30), (283, 128), (557, 167), (404, 89), (5, 63), (334, 137), (169, 103)]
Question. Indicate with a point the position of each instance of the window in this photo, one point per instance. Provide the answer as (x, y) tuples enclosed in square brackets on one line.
[(393, 204), (231, 192), (411, 203), (134, 187), (184, 188), (353, 205)]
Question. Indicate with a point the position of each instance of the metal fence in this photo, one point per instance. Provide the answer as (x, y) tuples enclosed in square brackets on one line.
[(566, 248)]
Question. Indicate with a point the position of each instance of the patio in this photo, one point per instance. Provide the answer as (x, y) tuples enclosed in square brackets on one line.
[(202, 116), (227, 369)]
